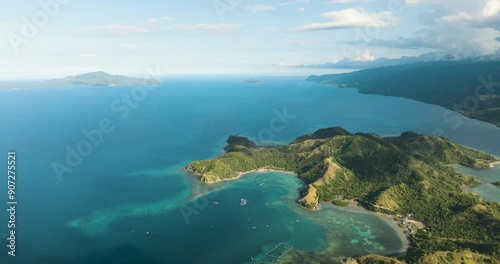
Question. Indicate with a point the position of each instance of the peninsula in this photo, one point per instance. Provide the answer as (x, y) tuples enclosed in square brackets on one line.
[(471, 88), (404, 175)]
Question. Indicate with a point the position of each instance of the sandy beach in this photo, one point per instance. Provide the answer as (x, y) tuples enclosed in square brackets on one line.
[(241, 174), (389, 219), (262, 170), (493, 164)]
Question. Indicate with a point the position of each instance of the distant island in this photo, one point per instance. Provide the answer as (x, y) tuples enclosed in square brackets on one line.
[(469, 87), (252, 81), (87, 79), (100, 79), (408, 175)]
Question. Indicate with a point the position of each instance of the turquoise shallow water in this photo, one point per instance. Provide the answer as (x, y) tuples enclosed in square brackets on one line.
[(487, 190), (133, 182)]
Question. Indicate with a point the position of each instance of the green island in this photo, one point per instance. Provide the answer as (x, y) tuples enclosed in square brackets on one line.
[(252, 81), (471, 88), (99, 78), (406, 175)]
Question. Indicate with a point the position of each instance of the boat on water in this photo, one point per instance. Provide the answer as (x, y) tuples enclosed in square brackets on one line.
[(243, 201)]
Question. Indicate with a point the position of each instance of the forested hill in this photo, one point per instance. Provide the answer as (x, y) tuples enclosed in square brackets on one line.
[(469, 87), (409, 174)]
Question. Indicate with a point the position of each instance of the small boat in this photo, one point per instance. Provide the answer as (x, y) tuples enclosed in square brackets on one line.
[(243, 201), (216, 202)]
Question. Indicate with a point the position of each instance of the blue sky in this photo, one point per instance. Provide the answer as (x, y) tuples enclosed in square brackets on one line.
[(54, 38)]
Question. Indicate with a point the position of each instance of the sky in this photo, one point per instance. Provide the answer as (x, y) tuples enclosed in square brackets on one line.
[(57, 38)]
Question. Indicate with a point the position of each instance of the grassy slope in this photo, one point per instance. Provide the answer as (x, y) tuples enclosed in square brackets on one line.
[(406, 174), (452, 85)]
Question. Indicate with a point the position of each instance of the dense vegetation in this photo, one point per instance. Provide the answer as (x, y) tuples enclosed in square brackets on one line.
[(472, 88), (409, 174), (340, 203), (373, 259), (235, 142), (442, 257)]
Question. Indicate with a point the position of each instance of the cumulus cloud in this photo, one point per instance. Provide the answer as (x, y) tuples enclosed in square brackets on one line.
[(348, 18), (449, 39), (486, 16), (458, 40), (365, 55), (468, 28)]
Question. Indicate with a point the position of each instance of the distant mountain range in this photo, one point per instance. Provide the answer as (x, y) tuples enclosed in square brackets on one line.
[(348, 63), (87, 79), (469, 87)]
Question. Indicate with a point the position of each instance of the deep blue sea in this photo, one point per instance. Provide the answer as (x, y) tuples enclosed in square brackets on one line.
[(129, 199)]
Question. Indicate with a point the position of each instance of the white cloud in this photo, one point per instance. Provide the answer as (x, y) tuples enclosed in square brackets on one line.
[(347, 1), (491, 8), (483, 16), (452, 6), (462, 16), (208, 27), (415, 2), (348, 18), (259, 8), (461, 28), (301, 9), (286, 64), (464, 41), (365, 55), (450, 38), (471, 28), (294, 2), (158, 20)]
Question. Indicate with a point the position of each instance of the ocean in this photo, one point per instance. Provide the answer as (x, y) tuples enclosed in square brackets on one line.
[(129, 200)]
